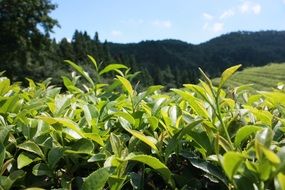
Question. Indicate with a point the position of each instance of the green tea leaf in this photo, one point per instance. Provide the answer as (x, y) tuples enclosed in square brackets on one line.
[(155, 164), (54, 155), (95, 137), (126, 116), (174, 113), (271, 156), (264, 137), (42, 169), (2, 154), (279, 181), (10, 104), (116, 182), (24, 159), (208, 167), (244, 132), (80, 70), (93, 61), (194, 103), (97, 179), (4, 85), (127, 85), (65, 122), (14, 176), (264, 116), (227, 74), (231, 161), (138, 134), (32, 147), (116, 144), (112, 67), (61, 102), (136, 180), (173, 142), (81, 146)]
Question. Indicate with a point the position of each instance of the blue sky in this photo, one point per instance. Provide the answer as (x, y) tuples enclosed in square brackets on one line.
[(194, 21)]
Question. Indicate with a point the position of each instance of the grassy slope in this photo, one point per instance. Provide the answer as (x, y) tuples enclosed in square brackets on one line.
[(262, 78)]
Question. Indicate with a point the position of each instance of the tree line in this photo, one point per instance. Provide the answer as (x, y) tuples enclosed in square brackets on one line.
[(27, 50)]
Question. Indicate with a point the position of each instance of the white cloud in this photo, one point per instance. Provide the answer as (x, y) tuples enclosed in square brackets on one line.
[(256, 9), (228, 13), (218, 27), (207, 16), (250, 7), (116, 33), (284, 1), (245, 7), (162, 24), (215, 27)]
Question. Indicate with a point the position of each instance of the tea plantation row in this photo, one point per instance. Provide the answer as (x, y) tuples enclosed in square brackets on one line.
[(94, 135)]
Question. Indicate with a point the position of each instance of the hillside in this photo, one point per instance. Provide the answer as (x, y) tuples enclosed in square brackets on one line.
[(171, 63), (213, 56), (261, 78)]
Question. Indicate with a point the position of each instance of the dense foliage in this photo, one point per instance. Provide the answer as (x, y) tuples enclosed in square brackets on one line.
[(24, 35), (96, 135)]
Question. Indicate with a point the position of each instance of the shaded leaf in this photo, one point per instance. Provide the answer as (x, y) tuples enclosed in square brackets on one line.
[(9, 181), (54, 155), (2, 154), (97, 179), (155, 164), (41, 169)]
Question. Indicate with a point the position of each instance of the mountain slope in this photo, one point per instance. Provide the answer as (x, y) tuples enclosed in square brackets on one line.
[(261, 78), (213, 56)]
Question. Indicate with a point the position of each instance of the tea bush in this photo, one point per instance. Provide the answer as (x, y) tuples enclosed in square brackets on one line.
[(96, 135)]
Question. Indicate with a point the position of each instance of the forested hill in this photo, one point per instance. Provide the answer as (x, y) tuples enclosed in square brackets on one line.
[(174, 60)]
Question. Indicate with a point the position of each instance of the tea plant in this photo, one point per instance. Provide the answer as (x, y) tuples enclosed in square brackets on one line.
[(95, 134)]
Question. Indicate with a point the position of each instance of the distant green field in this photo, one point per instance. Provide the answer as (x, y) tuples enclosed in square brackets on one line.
[(262, 78)]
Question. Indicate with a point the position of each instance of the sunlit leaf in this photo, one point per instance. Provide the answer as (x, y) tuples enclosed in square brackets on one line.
[(32, 147), (227, 74), (112, 67), (81, 71), (244, 132), (138, 134), (231, 161), (25, 159), (93, 61), (271, 156), (127, 85), (65, 122), (279, 181), (194, 103)]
